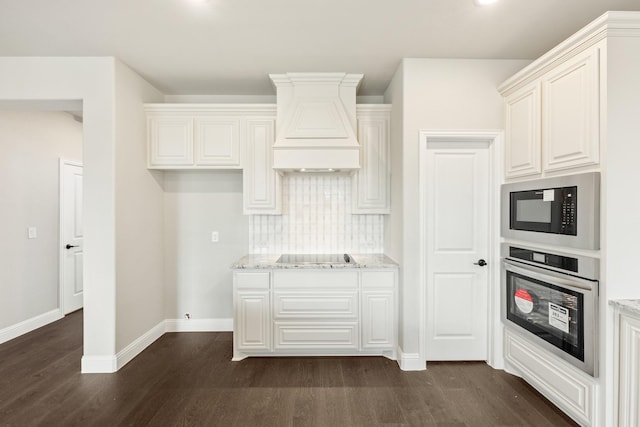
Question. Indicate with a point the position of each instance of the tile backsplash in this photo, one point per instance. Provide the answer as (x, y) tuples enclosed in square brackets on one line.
[(316, 218)]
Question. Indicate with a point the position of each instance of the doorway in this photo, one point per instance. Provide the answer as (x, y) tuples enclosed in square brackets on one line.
[(459, 178), (71, 236), (33, 137)]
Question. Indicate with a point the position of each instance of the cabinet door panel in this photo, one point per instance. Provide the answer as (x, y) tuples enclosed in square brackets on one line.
[(629, 372), (523, 132), (261, 184), (371, 183), (570, 122), (170, 141), (217, 141), (378, 317), (252, 321)]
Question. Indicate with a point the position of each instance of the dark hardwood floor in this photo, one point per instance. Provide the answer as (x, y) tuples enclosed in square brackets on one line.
[(187, 379)]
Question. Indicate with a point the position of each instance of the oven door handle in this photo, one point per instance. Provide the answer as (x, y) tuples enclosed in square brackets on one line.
[(549, 276)]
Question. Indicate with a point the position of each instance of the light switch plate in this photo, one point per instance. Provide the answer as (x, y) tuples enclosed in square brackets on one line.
[(215, 236), (32, 232)]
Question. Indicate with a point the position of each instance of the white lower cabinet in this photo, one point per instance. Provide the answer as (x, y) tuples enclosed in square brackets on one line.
[(378, 313), (316, 336), (252, 312), (315, 312), (571, 390), (629, 371)]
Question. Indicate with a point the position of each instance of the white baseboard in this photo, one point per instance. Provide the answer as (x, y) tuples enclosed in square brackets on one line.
[(109, 364), (199, 325), (410, 361), (125, 355), (29, 325), (99, 364)]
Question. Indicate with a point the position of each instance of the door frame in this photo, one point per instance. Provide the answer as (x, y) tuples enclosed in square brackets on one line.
[(61, 164), (494, 138)]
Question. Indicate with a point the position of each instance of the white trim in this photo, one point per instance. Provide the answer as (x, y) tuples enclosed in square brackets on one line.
[(495, 356), (199, 325), (99, 364), (410, 361), (29, 325), (125, 355), (110, 364), (61, 164)]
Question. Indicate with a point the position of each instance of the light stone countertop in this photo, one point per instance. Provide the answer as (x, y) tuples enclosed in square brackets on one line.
[(630, 306), (258, 261)]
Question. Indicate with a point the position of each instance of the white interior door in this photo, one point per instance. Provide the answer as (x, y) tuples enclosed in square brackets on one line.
[(457, 209), (71, 236)]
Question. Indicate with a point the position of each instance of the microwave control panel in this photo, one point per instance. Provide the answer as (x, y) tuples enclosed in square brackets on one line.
[(568, 212)]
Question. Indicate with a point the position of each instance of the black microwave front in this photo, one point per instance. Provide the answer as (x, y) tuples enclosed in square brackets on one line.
[(561, 211)]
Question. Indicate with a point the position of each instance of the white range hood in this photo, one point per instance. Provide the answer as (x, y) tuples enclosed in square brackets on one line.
[(316, 122)]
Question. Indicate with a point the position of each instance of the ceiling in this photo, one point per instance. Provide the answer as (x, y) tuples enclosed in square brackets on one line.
[(228, 47)]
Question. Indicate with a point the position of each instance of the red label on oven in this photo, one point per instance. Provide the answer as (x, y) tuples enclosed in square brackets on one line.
[(524, 301)]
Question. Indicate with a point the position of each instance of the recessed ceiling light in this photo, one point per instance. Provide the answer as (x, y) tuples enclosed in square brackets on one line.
[(484, 2)]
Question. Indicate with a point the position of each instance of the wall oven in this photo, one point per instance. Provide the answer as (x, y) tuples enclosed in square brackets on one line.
[(552, 299), (561, 211)]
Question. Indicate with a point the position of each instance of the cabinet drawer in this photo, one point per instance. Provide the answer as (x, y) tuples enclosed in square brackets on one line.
[(379, 279), (252, 280), (315, 279), (325, 335), (572, 392), (316, 305)]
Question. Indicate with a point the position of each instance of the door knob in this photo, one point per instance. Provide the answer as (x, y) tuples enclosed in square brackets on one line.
[(480, 262), (71, 246)]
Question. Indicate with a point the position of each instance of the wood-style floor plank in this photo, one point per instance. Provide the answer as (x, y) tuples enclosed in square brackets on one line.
[(188, 379)]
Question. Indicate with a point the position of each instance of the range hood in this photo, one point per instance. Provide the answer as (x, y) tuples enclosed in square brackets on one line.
[(316, 122)]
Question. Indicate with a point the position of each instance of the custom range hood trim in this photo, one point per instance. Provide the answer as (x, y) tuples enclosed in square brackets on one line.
[(316, 121)]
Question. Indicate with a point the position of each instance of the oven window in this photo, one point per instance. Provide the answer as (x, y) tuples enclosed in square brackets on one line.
[(553, 313)]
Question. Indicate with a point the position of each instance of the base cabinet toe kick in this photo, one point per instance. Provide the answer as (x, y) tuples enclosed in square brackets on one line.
[(324, 312)]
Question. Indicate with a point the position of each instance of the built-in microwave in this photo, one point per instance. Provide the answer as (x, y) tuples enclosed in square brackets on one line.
[(561, 211)]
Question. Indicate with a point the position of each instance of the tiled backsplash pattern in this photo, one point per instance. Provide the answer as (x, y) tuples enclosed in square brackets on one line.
[(316, 218)]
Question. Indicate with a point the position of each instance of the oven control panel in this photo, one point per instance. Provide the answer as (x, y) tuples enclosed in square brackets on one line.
[(552, 260)]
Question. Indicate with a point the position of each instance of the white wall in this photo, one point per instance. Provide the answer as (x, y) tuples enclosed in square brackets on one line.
[(31, 144), (92, 81), (620, 203), (437, 94), (393, 222), (197, 271), (106, 130), (139, 213)]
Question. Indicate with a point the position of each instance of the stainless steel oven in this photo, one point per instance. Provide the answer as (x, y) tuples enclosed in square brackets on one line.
[(561, 211), (552, 299)]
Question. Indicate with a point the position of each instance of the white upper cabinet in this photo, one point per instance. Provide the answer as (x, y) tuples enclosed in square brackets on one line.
[(217, 141), (553, 115), (199, 136), (170, 141), (261, 183), (372, 182), (522, 153), (570, 108)]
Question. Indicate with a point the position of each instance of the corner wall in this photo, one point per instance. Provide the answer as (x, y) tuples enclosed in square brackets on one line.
[(393, 228), (92, 81), (438, 94), (139, 213)]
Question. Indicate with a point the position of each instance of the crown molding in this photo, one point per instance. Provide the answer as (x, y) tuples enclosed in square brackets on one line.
[(618, 24)]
